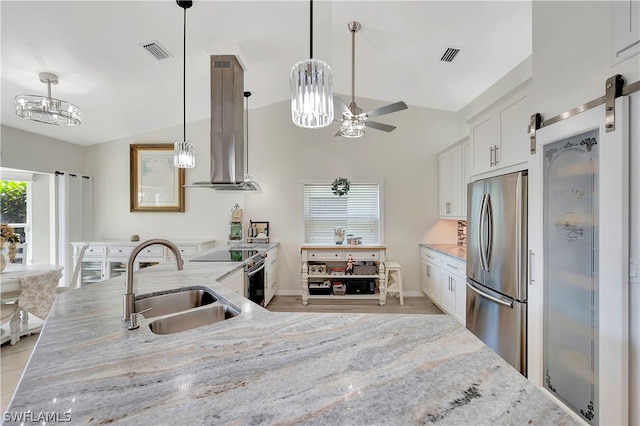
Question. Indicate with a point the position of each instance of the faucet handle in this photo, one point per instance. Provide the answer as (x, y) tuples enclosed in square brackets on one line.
[(133, 324)]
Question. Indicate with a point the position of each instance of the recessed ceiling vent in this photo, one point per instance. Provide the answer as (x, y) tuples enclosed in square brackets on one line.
[(449, 54), (156, 50)]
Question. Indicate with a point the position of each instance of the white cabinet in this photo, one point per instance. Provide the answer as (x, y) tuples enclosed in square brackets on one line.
[(235, 281), (271, 275), (430, 274), (108, 259), (320, 263), (454, 291), (443, 280), (454, 176), (625, 25), (499, 137)]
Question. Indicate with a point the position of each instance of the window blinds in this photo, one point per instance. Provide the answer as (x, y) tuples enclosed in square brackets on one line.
[(357, 212)]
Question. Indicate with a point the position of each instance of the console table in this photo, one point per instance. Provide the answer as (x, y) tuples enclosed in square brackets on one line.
[(314, 257)]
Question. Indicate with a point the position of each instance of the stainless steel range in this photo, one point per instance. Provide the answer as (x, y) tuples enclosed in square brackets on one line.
[(254, 263)]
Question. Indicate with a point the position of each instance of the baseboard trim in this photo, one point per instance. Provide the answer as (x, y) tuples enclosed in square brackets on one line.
[(299, 293)]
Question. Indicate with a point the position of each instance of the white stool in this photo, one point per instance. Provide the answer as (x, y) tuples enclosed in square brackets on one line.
[(393, 272)]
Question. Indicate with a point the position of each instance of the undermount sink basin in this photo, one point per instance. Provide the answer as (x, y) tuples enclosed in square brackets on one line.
[(192, 319), (173, 301)]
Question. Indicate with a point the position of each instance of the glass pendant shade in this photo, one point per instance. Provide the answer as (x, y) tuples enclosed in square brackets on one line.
[(45, 109), (184, 155), (352, 128), (311, 94)]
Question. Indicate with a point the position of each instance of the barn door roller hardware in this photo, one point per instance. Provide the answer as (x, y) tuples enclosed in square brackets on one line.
[(614, 88)]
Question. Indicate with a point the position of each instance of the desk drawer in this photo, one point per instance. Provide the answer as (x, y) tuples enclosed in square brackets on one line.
[(96, 251), (156, 250), (324, 255), (363, 254), (120, 250)]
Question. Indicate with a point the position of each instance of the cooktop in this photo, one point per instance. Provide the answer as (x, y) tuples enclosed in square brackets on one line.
[(231, 255)]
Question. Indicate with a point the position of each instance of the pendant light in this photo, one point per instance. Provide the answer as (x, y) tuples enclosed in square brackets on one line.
[(184, 153), (311, 93), (45, 109)]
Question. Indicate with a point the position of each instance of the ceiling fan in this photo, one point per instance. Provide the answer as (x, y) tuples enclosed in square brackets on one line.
[(353, 120)]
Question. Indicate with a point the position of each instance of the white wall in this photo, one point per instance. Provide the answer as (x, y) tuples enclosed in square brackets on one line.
[(27, 151), (280, 155), (571, 61)]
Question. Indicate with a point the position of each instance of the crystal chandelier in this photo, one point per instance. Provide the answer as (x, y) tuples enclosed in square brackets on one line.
[(184, 153), (311, 93), (45, 109)]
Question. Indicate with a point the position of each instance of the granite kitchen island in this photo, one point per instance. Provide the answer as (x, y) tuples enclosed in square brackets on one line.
[(265, 368)]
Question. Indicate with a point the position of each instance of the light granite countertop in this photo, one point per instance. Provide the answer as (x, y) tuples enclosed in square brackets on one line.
[(449, 249), (265, 368)]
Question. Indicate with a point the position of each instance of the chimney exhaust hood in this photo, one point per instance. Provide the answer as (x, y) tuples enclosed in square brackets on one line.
[(227, 120)]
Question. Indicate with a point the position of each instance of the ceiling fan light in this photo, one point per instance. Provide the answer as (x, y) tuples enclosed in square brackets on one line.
[(352, 128), (184, 155), (311, 94)]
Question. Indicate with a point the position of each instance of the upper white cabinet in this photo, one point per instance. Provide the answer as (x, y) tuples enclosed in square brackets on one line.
[(454, 176), (499, 137), (625, 25)]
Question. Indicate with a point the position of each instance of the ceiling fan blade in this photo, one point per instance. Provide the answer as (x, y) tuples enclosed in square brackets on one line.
[(340, 106), (398, 106), (379, 126)]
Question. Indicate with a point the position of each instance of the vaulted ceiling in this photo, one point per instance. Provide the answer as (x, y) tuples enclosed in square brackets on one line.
[(95, 49)]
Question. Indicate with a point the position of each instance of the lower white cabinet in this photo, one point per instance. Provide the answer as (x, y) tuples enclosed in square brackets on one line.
[(443, 280), (235, 282), (271, 275), (430, 274)]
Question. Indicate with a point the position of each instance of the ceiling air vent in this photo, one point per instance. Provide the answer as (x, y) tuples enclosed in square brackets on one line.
[(449, 54), (156, 50)]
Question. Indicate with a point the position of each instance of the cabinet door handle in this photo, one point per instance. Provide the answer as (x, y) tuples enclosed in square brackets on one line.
[(491, 156), (495, 154), (531, 278), (448, 208), (428, 270)]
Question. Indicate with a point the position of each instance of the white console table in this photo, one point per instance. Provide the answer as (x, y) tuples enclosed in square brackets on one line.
[(336, 256), (107, 259)]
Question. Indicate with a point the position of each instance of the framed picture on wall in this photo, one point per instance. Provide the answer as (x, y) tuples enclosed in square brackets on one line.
[(156, 185)]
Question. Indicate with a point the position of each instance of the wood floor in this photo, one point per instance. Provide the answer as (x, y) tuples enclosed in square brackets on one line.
[(412, 305)]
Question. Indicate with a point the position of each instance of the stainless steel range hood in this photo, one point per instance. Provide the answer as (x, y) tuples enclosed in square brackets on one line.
[(227, 120)]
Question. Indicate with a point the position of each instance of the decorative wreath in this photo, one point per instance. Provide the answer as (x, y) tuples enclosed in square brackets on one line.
[(340, 186)]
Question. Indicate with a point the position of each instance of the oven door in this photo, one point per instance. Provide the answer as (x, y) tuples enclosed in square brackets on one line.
[(256, 283)]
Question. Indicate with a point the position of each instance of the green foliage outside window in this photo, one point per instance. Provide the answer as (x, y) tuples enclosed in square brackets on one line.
[(13, 202)]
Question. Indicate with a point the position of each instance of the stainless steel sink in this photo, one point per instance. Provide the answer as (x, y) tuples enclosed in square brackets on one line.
[(173, 301), (192, 319)]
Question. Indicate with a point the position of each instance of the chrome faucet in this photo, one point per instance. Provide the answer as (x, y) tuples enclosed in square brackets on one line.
[(129, 297)]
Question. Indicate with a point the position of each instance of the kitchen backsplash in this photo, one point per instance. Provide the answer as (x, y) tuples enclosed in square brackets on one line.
[(462, 233)]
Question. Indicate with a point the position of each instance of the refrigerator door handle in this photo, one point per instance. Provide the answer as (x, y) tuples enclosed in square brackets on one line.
[(481, 226), (487, 296), (489, 242)]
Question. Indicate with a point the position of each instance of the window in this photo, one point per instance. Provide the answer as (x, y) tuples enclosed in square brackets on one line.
[(358, 212), (15, 193)]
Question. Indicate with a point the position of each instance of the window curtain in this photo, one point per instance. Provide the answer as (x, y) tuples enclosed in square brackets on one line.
[(74, 209)]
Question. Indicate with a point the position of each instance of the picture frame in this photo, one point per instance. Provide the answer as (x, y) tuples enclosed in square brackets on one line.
[(156, 185)]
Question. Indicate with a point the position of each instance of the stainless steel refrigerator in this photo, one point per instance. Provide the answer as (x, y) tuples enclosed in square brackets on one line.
[(497, 265)]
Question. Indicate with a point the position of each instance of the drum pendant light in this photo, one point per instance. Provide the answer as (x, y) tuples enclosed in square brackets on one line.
[(311, 93), (184, 153)]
